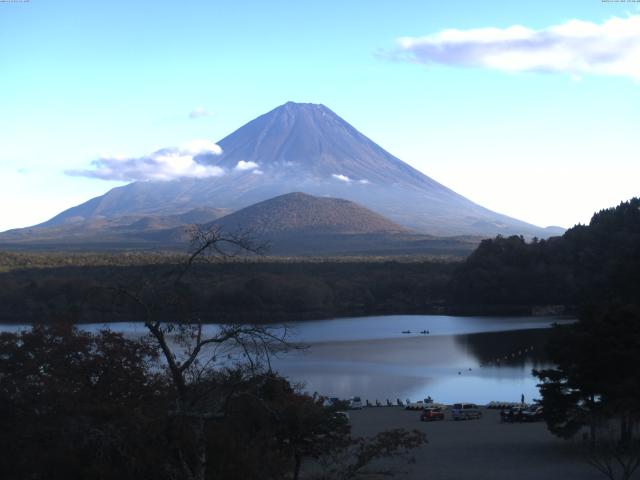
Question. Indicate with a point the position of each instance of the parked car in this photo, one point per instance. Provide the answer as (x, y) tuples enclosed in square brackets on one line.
[(511, 415), (343, 417), (420, 404), (532, 413), (355, 403), (432, 413), (465, 411), (335, 403), (328, 401)]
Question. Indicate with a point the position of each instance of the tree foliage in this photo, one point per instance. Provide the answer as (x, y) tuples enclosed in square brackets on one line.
[(594, 264), (76, 405), (230, 290), (596, 377), (80, 405)]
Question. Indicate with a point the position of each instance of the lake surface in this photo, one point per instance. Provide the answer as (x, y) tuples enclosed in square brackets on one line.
[(472, 359)]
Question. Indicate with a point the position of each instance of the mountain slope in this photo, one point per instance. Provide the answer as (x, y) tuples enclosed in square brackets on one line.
[(110, 229), (308, 148), (298, 213)]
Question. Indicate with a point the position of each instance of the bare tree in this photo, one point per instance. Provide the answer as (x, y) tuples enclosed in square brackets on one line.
[(210, 365), (616, 459), (189, 348), (359, 457)]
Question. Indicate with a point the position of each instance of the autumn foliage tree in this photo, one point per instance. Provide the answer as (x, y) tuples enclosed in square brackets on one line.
[(77, 405)]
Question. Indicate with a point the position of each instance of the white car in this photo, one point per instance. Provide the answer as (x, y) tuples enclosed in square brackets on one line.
[(421, 404), (355, 403), (465, 411)]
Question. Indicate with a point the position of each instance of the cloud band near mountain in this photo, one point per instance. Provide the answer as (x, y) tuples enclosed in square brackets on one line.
[(575, 47), (190, 160)]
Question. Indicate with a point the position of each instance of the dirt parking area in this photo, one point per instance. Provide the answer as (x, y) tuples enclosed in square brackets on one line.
[(483, 449)]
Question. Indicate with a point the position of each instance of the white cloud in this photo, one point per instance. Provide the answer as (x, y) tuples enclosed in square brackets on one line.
[(342, 178), (164, 164), (575, 47), (364, 182), (199, 112), (202, 147), (242, 165)]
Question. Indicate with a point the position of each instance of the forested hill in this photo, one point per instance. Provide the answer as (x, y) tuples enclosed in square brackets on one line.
[(301, 213), (589, 264)]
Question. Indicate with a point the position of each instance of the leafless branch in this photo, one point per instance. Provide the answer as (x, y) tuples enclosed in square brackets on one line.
[(615, 460)]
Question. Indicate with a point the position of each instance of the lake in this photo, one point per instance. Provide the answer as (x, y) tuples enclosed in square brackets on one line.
[(460, 359), (472, 359)]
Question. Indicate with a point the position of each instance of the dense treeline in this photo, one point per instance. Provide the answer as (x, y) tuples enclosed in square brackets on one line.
[(18, 260), (589, 264), (12, 260), (254, 290)]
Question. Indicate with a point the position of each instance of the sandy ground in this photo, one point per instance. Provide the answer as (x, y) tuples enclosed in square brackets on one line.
[(484, 449)]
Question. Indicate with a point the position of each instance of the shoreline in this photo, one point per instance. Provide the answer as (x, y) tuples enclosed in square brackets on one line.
[(432, 313), (483, 449)]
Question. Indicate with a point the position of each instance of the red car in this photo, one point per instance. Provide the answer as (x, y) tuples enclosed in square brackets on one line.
[(433, 413)]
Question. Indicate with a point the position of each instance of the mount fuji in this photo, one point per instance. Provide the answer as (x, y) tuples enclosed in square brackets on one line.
[(297, 147)]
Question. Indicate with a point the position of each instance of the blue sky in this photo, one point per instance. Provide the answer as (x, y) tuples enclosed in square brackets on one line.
[(549, 142)]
